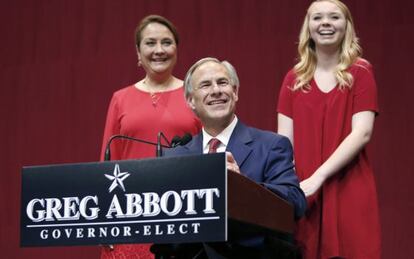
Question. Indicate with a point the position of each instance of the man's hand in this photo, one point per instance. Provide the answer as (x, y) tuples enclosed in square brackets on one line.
[(231, 163)]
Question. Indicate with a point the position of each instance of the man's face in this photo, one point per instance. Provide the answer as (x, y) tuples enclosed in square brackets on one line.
[(213, 97)]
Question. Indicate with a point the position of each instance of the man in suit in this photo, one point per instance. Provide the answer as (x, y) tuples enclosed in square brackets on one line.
[(211, 90)]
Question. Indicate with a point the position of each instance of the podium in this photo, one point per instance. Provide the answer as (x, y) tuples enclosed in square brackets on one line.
[(164, 200), (251, 203)]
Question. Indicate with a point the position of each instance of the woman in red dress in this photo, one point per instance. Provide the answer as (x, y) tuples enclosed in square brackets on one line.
[(155, 103), (327, 107)]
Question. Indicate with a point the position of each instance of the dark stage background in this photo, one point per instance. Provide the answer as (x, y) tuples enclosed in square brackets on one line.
[(62, 60)]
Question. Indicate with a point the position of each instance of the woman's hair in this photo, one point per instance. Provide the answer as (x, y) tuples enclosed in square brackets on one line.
[(350, 51), (154, 19), (234, 79)]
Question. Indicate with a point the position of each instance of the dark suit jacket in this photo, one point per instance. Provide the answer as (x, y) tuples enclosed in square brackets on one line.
[(263, 156)]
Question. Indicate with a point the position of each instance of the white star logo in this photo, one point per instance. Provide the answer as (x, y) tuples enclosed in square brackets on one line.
[(117, 178)]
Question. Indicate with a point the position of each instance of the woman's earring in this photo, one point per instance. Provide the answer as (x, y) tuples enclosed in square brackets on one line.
[(139, 63)]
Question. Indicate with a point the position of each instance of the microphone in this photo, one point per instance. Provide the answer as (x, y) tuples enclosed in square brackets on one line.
[(107, 156), (181, 141), (186, 138), (175, 141)]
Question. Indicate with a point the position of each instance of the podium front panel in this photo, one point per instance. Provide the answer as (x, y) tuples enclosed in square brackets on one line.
[(162, 200)]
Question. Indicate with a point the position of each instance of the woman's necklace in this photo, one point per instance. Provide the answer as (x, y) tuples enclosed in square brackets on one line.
[(155, 96)]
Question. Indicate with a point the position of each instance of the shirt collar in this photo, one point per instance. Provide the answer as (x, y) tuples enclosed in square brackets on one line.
[(224, 137)]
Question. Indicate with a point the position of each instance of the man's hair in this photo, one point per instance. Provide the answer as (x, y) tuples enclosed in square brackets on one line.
[(234, 79)]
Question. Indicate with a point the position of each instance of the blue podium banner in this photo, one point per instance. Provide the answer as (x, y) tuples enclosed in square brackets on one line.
[(162, 200)]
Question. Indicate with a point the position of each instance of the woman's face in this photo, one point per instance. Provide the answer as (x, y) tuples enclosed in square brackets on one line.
[(327, 24), (157, 49)]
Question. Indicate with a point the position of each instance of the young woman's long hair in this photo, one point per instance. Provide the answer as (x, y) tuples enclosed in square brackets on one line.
[(350, 51)]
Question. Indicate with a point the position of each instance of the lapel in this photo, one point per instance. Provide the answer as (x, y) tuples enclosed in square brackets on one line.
[(196, 145), (238, 143)]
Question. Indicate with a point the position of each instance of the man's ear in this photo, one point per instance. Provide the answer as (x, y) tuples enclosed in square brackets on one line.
[(236, 93), (190, 102)]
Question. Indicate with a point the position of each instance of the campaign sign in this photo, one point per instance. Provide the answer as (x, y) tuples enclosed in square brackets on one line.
[(162, 200)]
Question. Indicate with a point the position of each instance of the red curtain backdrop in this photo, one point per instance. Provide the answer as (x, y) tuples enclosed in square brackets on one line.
[(61, 60)]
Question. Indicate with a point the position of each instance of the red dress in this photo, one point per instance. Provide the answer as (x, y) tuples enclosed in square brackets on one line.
[(135, 113), (342, 219)]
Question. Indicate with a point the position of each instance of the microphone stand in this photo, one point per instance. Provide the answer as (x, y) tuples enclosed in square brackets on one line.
[(107, 156)]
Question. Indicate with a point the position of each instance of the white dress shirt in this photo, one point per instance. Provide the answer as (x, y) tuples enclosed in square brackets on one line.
[(224, 137)]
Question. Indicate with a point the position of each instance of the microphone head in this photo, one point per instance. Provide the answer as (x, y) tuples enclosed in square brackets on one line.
[(185, 139), (175, 141)]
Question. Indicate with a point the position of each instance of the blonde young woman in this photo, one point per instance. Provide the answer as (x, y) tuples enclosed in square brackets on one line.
[(327, 107)]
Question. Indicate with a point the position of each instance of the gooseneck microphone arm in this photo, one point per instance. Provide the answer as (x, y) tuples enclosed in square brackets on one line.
[(158, 150), (107, 155), (164, 138)]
